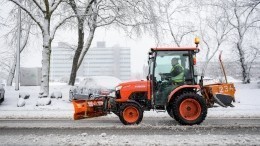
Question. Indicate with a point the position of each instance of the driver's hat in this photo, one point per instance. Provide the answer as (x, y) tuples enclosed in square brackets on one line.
[(176, 59)]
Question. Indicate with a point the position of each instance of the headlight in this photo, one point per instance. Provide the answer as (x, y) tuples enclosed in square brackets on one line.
[(118, 88)]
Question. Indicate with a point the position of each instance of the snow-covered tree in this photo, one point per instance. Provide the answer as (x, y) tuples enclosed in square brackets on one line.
[(214, 29), (93, 14), (176, 19), (11, 37), (43, 14), (244, 17)]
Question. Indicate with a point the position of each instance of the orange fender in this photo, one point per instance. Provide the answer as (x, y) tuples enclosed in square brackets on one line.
[(182, 87)]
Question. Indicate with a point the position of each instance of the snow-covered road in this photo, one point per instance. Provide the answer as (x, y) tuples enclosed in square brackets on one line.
[(153, 131), (109, 122)]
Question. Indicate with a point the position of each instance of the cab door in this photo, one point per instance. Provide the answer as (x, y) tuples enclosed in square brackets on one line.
[(163, 86)]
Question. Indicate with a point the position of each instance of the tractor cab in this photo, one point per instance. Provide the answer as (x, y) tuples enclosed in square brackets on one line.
[(163, 75)]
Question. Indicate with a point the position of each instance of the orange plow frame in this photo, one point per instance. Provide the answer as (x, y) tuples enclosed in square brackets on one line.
[(88, 108), (213, 90)]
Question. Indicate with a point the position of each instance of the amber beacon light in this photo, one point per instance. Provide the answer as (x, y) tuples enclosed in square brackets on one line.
[(197, 40)]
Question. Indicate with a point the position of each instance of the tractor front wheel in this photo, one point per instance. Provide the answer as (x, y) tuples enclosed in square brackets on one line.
[(189, 109), (2, 100), (130, 113)]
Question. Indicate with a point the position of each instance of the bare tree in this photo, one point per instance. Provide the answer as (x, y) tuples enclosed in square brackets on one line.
[(100, 13), (4, 53), (252, 2), (214, 30), (253, 56), (243, 18), (42, 15), (23, 45), (81, 16), (5, 61), (1, 23), (91, 14), (11, 37), (178, 28)]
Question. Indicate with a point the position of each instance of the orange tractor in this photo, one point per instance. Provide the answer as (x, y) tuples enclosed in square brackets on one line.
[(187, 101)]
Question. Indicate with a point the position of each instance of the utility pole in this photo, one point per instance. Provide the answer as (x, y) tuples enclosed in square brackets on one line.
[(17, 75)]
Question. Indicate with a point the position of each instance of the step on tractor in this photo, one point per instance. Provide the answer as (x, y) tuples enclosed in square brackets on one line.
[(186, 99)]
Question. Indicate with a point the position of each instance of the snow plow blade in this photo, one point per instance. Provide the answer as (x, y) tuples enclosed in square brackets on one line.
[(89, 108), (222, 94), (223, 100)]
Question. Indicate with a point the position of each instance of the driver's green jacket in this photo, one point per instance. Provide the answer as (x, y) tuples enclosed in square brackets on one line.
[(177, 73)]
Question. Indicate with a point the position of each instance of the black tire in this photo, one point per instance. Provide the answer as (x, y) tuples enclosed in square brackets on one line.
[(130, 110), (105, 104), (189, 102), (169, 110), (3, 99)]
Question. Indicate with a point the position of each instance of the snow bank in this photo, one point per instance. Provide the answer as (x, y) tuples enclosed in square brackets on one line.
[(43, 101), (20, 102), (24, 95), (56, 94)]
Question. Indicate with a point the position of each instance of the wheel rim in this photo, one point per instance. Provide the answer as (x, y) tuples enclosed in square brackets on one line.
[(190, 109), (131, 114)]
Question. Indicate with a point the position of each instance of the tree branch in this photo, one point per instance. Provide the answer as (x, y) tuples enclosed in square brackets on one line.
[(38, 22), (47, 7), (59, 24), (54, 6), (24, 43), (250, 12), (38, 5)]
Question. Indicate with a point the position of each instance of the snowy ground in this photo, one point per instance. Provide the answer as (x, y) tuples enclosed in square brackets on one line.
[(247, 104), (152, 131), (85, 139)]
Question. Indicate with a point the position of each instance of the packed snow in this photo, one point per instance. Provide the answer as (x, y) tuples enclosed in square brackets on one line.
[(21, 102), (24, 95), (43, 101), (140, 140), (56, 94)]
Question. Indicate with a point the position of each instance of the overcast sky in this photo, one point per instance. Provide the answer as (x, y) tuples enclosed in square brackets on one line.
[(139, 45)]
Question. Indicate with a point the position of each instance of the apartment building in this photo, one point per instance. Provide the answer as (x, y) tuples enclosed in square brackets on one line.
[(99, 61)]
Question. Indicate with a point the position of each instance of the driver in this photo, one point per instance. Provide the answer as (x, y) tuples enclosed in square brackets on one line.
[(175, 77), (177, 72)]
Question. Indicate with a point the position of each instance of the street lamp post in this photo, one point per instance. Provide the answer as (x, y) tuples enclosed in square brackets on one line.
[(17, 76)]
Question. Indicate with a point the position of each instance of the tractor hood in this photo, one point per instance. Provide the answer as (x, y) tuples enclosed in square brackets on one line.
[(126, 89), (134, 85)]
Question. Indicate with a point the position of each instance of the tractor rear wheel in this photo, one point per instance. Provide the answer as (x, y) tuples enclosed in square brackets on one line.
[(189, 109), (130, 113)]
